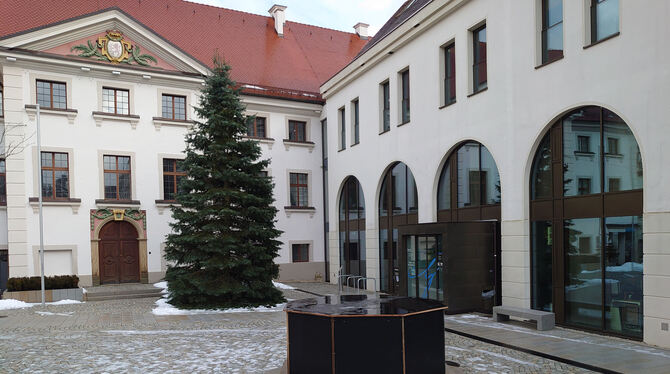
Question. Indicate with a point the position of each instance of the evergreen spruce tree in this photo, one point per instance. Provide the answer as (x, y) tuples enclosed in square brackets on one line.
[(222, 248)]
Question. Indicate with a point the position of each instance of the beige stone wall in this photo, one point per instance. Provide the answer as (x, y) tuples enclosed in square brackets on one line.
[(656, 281), (302, 271)]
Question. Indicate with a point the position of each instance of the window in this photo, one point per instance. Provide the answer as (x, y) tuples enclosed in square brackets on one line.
[(299, 194), (3, 183), (450, 74), (352, 228), (552, 30), (173, 173), (115, 101), (604, 19), (479, 59), (357, 137), (614, 184), (343, 129), (174, 107), (256, 127), (297, 131), (583, 144), (404, 115), (51, 95), (55, 175), (300, 252), (263, 174), (584, 186), (117, 177), (2, 113), (386, 107), (612, 146)]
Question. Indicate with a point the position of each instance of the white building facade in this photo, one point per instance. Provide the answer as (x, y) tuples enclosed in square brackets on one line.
[(547, 117), (112, 135)]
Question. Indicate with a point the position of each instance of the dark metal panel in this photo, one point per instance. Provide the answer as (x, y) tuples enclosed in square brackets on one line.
[(354, 355), (582, 206), (541, 210), (309, 344), (469, 214), (424, 343), (627, 203), (490, 212)]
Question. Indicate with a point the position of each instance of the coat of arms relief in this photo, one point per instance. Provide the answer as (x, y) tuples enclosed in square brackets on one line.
[(113, 48)]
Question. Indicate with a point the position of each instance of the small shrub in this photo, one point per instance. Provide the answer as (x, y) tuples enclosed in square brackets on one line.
[(35, 283)]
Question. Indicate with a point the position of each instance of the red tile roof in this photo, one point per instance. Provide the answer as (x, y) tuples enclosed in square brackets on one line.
[(300, 61)]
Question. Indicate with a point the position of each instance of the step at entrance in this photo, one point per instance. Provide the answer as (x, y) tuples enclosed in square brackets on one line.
[(122, 291)]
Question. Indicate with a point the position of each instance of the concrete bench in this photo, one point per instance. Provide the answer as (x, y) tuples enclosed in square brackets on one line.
[(545, 320)]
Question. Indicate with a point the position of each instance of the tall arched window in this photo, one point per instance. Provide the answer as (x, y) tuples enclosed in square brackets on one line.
[(469, 186), (586, 223), (398, 205), (352, 228)]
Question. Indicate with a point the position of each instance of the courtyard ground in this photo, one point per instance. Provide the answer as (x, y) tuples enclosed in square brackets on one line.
[(124, 336)]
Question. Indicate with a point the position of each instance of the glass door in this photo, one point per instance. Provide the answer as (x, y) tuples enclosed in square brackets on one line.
[(424, 267)]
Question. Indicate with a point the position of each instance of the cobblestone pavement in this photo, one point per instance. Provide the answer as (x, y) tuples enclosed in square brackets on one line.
[(123, 336)]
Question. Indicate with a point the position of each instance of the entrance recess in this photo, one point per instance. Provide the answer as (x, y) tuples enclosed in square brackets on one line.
[(119, 253), (451, 262)]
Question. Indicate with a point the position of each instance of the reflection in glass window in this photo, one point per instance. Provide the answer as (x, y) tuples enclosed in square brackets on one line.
[(352, 228), (623, 275), (604, 19), (623, 168), (581, 152), (490, 178), (583, 283), (444, 189), (469, 181), (541, 175), (552, 30), (542, 266)]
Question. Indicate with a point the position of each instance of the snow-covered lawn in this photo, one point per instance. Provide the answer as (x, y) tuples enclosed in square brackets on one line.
[(163, 308), (6, 304)]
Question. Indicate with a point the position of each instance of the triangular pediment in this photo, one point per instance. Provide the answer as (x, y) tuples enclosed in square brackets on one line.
[(110, 37)]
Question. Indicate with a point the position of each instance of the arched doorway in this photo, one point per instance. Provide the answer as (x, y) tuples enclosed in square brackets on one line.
[(468, 191), (398, 205), (586, 223), (119, 253), (352, 228)]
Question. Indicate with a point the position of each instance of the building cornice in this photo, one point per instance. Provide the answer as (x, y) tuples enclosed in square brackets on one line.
[(412, 28)]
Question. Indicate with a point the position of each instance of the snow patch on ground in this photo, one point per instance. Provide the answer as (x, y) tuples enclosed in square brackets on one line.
[(162, 285), (67, 314), (282, 286), (163, 308), (6, 304)]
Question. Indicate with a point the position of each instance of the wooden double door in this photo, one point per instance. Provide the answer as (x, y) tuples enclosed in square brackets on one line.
[(119, 253)]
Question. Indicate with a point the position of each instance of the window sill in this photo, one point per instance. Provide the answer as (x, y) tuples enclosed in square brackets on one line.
[(357, 143), (540, 66), (133, 119), (294, 143), (300, 209), (107, 203), (161, 121), (580, 153), (447, 105), (602, 40), (613, 155), (478, 92), (71, 202), (384, 132), (403, 123), (165, 204), (71, 114), (268, 141)]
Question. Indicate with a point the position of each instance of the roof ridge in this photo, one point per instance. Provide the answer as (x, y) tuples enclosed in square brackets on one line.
[(323, 28)]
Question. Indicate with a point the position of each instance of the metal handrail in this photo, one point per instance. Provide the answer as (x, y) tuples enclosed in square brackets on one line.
[(339, 282), (354, 277), (366, 282)]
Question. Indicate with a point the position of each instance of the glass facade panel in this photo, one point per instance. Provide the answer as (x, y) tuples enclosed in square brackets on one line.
[(444, 189), (541, 268), (479, 71), (623, 164), (399, 178), (583, 283), (552, 30), (581, 152), (541, 174), (450, 74), (411, 265), (386, 108), (606, 18), (490, 178), (623, 275), (405, 114), (469, 181)]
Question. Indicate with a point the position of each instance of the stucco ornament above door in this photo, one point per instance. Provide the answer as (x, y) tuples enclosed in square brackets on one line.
[(113, 48)]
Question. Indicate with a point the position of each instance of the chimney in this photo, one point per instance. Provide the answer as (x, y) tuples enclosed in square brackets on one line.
[(362, 30), (277, 12)]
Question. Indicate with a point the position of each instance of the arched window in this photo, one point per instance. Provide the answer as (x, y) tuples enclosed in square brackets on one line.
[(469, 186), (586, 224), (398, 205), (352, 228)]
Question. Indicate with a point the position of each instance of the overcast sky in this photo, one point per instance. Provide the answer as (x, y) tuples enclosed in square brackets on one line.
[(334, 14)]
